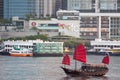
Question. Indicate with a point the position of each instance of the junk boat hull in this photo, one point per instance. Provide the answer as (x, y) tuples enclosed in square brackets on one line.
[(99, 72)]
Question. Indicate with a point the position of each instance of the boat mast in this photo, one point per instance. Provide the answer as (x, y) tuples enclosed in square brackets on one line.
[(79, 54), (75, 65)]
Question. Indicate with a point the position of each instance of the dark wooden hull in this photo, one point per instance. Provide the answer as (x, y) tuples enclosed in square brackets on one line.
[(99, 72)]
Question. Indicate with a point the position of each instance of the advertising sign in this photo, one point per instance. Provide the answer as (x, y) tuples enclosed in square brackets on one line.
[(41, 25)]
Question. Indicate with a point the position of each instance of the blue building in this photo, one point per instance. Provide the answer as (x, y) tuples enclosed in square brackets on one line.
[(1, 9), (18, 8)]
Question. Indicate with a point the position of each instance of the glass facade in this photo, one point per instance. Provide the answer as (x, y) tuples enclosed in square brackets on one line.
[(39, 8), (103, 6), (1, 9), (81, 5), (68, 15), (58, 5), (64, 4), (18, 8), (108, 6)]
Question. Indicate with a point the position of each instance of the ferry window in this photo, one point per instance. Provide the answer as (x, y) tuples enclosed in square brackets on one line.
[(111, 47)]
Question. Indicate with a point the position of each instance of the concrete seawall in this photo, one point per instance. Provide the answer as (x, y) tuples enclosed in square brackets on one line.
[(5, 35)]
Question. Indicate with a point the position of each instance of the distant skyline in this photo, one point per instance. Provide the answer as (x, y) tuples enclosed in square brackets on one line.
[(43, 8)]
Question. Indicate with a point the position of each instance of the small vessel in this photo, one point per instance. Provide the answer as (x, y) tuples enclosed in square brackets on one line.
[(86, 69), (21, 52), (101, 46)]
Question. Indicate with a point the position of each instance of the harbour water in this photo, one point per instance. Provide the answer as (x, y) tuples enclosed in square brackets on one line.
[(48, 68)]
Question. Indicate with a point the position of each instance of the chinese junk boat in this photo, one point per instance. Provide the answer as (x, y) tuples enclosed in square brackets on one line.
[(86, 69)]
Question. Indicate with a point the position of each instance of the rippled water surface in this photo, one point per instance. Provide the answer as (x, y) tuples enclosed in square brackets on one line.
[(48, 68)]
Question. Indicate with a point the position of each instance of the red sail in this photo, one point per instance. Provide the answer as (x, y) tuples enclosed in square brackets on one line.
[(66, 60), (106, 59), (80, 53)]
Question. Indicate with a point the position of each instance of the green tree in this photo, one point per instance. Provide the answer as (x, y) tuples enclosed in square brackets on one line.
[(4, 21), (28, 17)]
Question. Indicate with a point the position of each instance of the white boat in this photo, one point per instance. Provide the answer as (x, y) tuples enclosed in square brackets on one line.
[(111, 46), (21, 52)]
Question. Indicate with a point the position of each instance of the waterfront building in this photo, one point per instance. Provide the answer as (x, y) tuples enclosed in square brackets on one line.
[(38, 46), (47, 27), (99, 25), (98, 18), (56, 27), (48, 47), (1, 9)]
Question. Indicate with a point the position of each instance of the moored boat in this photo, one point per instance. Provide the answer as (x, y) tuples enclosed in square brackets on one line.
[(86, 69), (38, 47), (102, 46), (21, 52)]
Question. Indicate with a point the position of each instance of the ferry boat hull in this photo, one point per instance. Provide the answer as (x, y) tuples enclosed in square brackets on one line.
[(103, 53), (21, 54)]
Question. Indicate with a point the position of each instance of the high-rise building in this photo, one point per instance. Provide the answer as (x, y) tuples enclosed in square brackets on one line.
[(111, 6), (46, 8), (98, 18), (58, 5), (81, 5), (18, 8), (1, 8), (101, 6), (64, 4), (36, 8)]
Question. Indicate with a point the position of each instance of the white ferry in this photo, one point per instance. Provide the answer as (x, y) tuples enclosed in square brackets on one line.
[(21, 52), (99, 45), (28, 44)]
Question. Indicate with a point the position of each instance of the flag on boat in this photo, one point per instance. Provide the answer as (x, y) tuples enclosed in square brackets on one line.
[(66, 60)]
